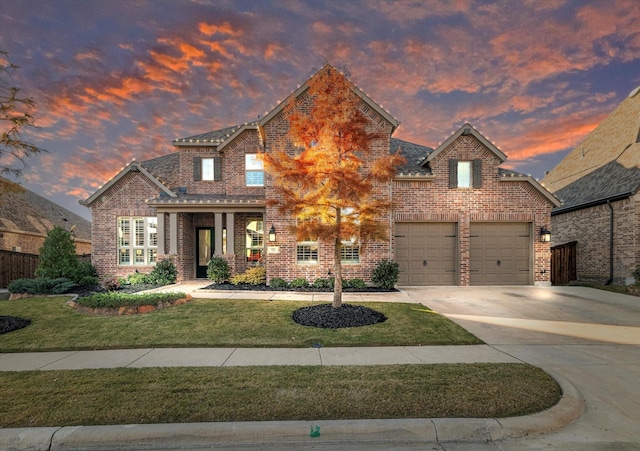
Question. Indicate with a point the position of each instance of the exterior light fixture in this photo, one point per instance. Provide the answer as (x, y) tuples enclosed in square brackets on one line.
[(272, 233), (545, 235)]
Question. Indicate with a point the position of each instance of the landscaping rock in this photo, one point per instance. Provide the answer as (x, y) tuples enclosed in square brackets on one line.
[(146, 308), (327, 317)]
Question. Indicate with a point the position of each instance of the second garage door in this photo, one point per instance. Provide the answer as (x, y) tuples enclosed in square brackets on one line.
[(426, 253), (500, 254)]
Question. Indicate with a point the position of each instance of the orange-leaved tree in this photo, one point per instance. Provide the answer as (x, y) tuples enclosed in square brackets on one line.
[(326, 176)]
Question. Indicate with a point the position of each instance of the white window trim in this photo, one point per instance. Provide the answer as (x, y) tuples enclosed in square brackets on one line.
[(149, 251)]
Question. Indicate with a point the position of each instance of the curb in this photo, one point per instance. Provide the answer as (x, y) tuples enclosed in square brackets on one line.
[(290, 433)]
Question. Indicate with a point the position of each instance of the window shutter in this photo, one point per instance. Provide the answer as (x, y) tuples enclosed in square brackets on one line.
[(477, 173), (197, 168), (217, 169), (453, 173)]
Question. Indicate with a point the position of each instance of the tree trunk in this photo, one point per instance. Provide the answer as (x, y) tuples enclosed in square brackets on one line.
[(337, 270)]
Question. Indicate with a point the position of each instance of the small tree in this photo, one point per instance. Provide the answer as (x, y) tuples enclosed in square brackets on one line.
[(58, 255), (330, 185), (16, 115)]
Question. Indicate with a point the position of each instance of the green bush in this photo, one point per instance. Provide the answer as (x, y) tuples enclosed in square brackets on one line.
[(58, 259), (323, 283), (300, 282), (115, 300), (41, 285), (253, 276), (164, 273), (357, 283), (278, 283), (111, 283), (138, 278), (385, 274), (218, 270)]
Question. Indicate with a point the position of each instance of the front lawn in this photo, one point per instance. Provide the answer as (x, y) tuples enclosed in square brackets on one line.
[(176, 395), (217, 323)]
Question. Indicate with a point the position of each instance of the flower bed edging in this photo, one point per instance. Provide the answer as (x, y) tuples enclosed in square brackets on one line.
[(127, 310)]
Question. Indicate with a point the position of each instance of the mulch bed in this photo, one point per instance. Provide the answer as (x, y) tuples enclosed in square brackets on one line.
[(11, 323), (326, 317)]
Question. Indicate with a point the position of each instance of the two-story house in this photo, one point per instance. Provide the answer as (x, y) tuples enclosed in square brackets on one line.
[(458, 218)]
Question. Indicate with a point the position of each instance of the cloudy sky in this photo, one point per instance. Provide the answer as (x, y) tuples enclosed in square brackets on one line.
[(117, 80)]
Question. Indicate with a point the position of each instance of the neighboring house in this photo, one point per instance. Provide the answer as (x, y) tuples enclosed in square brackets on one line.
[(598, 184), (26, 218), (458, 219)]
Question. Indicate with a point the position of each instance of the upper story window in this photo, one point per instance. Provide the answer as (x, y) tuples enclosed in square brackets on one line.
[(465, 174), (254, 170), (207, 169)]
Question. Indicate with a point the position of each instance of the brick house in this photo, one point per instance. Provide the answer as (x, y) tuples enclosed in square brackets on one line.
[(598, 184), (26, 218), (458, 218)]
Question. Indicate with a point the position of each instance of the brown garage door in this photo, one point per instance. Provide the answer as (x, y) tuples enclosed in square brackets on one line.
[(426, 253), (500, 253)]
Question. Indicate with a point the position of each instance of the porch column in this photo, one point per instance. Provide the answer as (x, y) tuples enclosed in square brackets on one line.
[(230, 233), (161, 246), (173, 233), (217, 233)]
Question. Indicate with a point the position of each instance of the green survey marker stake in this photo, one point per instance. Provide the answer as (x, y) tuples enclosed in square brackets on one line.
[(315, 431)]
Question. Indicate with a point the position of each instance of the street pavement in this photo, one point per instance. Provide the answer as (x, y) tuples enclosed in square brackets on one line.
[(587, 339)]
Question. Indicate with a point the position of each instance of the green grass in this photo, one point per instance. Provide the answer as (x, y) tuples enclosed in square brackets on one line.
[(216, 323), (174, 395)]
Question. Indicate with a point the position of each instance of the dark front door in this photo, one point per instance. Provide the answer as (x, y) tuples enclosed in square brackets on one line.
[(204, 250)]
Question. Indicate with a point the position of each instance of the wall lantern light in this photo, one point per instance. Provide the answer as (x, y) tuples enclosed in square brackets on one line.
[(272, 234), (545, 234)]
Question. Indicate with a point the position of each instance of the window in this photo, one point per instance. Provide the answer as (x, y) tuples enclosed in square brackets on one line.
[(137, 240), (307, 252), (254, 170), (207, 169), (465, 174), (349, 252), (254, 241)]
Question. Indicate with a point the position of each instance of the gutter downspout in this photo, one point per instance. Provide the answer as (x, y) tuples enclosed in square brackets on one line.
[(608, 282)]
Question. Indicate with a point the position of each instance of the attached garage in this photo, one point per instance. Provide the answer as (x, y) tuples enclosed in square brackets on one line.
[(500, 253), (426, 253)]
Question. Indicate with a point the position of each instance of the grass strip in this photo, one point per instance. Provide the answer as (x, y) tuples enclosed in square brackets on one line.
[(177, 395), (217, 323)]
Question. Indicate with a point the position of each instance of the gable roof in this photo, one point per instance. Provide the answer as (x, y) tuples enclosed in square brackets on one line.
[(465, 130), (615, 139), (26, 211), (134, 166), (415, 154), (378, 108), (217, 138)]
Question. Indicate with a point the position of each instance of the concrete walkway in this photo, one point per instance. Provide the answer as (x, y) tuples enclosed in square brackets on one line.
[(542, 326)]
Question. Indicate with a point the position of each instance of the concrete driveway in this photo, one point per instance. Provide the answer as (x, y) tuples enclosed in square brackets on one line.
[(590, 337)]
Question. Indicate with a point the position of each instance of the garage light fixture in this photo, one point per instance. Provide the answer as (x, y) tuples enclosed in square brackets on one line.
[(545, 234)]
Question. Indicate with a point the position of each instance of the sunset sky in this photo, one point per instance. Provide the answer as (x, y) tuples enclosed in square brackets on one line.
[(117, 80)]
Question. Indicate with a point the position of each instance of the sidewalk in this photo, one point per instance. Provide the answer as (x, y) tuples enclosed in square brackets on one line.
[(283, 433)]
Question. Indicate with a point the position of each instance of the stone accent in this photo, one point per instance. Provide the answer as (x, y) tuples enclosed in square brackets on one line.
[(127, 310)]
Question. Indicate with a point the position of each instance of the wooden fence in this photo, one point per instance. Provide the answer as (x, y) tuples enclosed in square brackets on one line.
[(17, 265), (563, 263)]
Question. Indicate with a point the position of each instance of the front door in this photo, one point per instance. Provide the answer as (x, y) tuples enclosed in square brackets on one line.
[(204, 250)]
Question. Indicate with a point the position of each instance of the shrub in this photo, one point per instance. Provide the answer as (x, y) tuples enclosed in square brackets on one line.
[(139, 278), (57, 255), (41, 285), (357, 283), (110, 283), (252, 276), (300, 282), (85, 274), (323, 283), (385, 274), (218, 270), (164, 273), (278, 283), (114, 299), (636, 275)]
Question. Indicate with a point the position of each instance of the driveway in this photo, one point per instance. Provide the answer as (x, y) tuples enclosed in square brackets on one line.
[(590, 337)]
